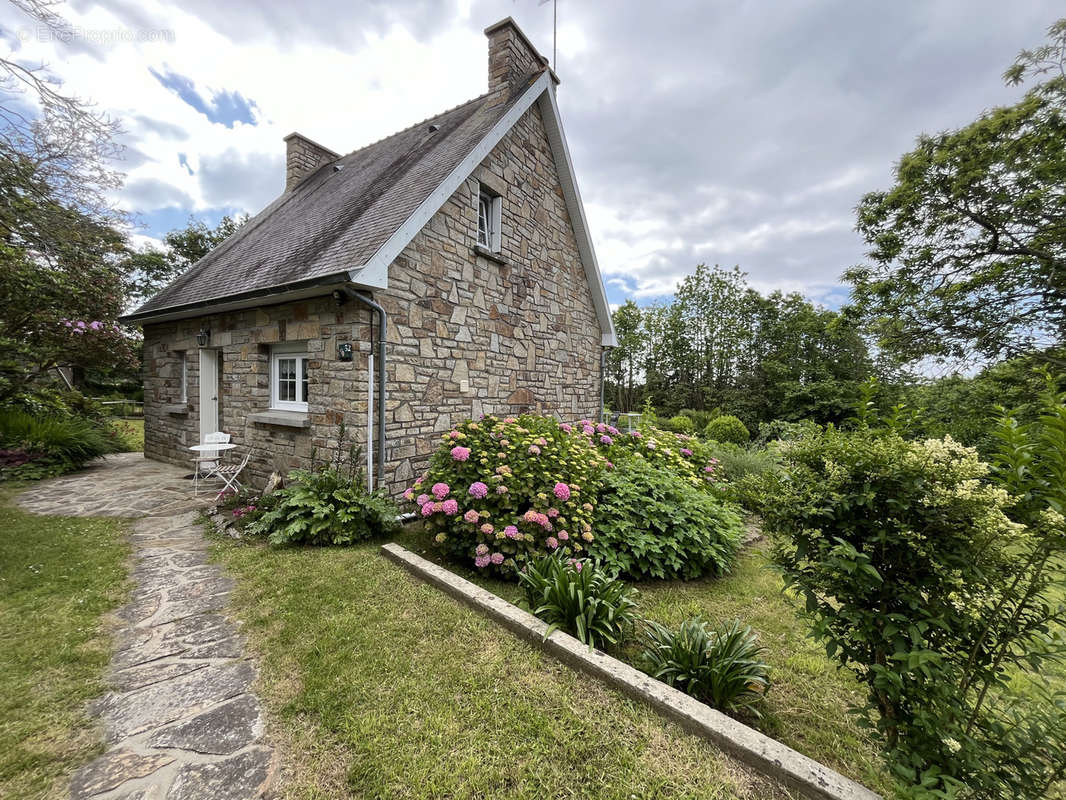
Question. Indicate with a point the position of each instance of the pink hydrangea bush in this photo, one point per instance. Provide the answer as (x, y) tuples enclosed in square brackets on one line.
[(499, 492), (686, 456)]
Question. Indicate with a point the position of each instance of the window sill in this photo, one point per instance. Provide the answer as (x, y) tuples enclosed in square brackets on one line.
[(176, 409), (287, 419), (484, 252)]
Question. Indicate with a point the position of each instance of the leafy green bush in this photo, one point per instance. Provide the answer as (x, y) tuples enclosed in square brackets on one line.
[(735, 462), (54, 444), (326, 506), (680, 424), (726, 428), (579, 597), (722, 667), (918, 582), (699, 418), (500, 492), (650, 522)]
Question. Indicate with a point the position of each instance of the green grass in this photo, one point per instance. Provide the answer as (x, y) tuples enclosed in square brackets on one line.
[(381, 686), (807, 706), (58, 577), (132, 432)]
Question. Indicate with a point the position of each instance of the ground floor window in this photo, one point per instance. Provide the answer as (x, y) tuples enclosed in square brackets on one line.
[(288, 376)]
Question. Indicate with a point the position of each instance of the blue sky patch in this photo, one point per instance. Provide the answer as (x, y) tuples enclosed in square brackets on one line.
[(225, 107)]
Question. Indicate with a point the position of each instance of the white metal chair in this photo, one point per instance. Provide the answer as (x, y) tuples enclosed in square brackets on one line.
[(207, 460), (228, 473)]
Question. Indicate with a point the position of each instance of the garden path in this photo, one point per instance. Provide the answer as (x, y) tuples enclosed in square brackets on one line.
[(181, 721)]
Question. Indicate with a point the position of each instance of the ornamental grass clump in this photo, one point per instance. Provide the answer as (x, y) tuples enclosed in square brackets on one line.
[(499, 492), (720, 666), (581, 598)]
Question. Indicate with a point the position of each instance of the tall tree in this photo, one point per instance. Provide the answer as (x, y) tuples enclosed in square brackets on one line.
[(968, 248)]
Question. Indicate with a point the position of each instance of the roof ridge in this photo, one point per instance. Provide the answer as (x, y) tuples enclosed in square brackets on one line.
[(416, 124)]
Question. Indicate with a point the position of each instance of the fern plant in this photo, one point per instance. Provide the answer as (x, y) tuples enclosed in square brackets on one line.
[(580, 598), (722, 666)]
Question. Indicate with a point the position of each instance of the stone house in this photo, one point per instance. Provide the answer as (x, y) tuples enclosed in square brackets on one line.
[(439, 274)]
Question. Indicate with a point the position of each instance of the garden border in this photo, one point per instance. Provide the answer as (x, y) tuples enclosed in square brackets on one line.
[(755, 749)]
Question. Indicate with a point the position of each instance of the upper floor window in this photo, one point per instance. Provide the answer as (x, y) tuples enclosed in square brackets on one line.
[(489, 207), (288, 376)]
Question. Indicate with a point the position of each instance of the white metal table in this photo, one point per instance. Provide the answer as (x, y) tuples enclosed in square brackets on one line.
[(210, 447)]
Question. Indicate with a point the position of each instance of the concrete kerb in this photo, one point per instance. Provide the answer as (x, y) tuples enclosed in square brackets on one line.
[(755, 749)]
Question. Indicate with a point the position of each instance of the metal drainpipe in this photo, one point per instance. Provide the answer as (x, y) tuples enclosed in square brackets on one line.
[(383, 324)]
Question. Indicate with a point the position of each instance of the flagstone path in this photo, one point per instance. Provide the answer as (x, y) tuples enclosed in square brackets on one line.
[(181, 721)]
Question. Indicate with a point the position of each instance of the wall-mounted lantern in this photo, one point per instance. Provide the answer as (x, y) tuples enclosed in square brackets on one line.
[(344, 351), (203, 337)]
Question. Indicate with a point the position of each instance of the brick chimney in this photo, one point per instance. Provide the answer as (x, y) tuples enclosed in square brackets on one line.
[(512, 57), (302, 157)]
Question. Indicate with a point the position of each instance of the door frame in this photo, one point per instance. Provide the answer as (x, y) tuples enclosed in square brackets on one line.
[(208, 391)]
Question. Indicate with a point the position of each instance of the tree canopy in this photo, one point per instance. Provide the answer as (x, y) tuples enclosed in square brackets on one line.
[(968, 247)]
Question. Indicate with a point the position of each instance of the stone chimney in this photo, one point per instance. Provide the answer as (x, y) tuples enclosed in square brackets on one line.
[(302, 157), (512, 57)]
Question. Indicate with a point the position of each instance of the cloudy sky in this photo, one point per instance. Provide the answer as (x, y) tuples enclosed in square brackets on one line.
[(730, 132)]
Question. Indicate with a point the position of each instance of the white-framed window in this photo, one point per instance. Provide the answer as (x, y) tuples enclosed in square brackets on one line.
[(489, 208), (288, 376), (183, 377)]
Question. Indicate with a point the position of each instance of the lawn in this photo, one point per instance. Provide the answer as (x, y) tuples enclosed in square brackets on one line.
[(58, 577), (132, 432), (380, 686), (807, 704)]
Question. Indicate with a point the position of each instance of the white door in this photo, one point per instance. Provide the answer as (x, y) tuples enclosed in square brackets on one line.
[(208, 392)]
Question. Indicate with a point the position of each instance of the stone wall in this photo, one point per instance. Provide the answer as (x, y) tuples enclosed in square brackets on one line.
[(472, 335), (469, 334), (337, 389)]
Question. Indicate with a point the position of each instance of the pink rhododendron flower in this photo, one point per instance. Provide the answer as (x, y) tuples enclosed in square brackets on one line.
[(605, 439), (482, 550), (588, 430), (511, 532), (544, 522), (450, 507), (686, 452), (501, 490), (534, 450), (636, 434), (563, 536), (566, 427), (600, 427), (409, 495), (530, 516), (501, 456), (438, 507), (487, 529), (552, 542), (510, 419), (471, 516), (460, 453), (453, 435), (562, 491), (651, 445), (427, 509), (496, 558), (481, 562), (478, 489), (422, 499), (708, 468), (577, 565), (611, 429), (610, 465), (440, 490), (553, 512), (542, 441)]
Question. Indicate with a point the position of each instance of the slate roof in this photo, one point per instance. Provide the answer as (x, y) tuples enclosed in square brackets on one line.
[(334, 221)]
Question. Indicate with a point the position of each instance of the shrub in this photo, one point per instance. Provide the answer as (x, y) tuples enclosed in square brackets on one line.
[(680, 424), (726, 428), (53, 444), (579, 597), (686, 456), (699, 418), (326, 506), (919, 583), (500, 492), (650, 522), (735, 462), (722, 667)]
